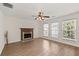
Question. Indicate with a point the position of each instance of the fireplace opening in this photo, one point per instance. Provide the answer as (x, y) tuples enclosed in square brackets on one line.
[(27, 35)]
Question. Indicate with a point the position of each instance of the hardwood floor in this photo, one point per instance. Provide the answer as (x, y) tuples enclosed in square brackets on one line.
[(40, 47)]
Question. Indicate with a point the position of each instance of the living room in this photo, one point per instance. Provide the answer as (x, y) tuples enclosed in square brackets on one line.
[(58, 29)]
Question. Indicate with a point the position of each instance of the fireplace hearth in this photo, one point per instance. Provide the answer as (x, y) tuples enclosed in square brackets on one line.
[(26, 34)]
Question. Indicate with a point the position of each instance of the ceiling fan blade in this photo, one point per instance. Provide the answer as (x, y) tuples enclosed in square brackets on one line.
[(46, 16)]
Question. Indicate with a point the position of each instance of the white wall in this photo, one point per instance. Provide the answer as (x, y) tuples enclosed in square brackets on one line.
[(2, 42), (60, 21), (13, 25)]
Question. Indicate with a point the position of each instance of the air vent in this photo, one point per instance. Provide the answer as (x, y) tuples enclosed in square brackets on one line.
[(8, 5)]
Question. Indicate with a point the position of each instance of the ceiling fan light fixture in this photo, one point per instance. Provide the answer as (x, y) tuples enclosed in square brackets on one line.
[(41, 16)]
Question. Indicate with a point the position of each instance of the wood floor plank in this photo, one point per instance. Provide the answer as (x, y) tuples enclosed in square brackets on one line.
[(40, 47)]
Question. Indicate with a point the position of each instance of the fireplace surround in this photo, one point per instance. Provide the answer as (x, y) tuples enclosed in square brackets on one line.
[(26, 34)]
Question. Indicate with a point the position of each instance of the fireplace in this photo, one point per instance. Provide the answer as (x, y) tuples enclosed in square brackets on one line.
[(26, 34)]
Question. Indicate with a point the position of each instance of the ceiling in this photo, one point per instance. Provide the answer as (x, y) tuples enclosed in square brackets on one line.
[(26, 10)]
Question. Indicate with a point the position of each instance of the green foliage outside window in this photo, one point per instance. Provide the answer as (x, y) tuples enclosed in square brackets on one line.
[(69, 28)]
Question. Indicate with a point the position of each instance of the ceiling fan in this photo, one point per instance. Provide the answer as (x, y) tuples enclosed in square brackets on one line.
[(41, 16)]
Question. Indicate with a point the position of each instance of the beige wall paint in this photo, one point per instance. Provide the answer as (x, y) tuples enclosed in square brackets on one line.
[(13, 25), (2, 42)]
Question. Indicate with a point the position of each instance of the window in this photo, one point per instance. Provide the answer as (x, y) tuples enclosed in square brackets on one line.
[(54, 29), (69, 29), (46, 29)]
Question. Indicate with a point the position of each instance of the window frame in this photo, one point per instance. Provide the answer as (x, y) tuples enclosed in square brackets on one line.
[(71, 30), (46, 29), (55, 35)]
